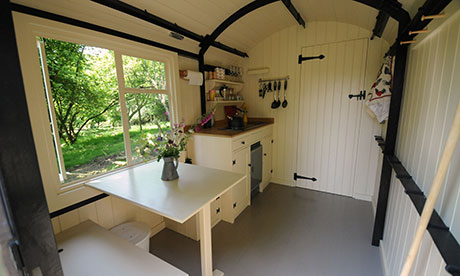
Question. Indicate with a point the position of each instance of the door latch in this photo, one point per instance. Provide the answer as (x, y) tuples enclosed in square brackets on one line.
[(360, 96)]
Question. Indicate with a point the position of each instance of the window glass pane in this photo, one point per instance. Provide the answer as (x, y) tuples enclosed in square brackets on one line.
[(144, 73), (143, 111), (85, 98)]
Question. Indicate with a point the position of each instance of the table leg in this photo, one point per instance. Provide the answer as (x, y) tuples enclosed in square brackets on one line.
[(206, 242)]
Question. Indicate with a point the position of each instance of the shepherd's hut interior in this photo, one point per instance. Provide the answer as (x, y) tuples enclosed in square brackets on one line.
[(238, 137)]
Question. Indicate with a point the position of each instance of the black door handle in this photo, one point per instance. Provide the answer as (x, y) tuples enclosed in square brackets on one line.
[(360, 96)]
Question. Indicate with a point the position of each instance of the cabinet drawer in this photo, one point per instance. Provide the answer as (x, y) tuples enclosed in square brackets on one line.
[(241, 143), (216, 211), (239, 193)]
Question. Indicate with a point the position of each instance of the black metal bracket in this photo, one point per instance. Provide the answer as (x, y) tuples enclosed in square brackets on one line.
[(360, 96), (380, 24), (78, 205), (301, 58), (296, 176)]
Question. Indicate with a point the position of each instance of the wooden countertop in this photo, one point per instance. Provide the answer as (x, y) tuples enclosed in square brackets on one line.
[(218, 128)]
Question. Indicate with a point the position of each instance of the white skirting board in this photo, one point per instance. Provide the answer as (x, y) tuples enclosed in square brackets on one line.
[(383, 260), (286, 182)]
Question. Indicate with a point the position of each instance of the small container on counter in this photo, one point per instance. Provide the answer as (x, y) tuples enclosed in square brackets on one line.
[(212, 95)]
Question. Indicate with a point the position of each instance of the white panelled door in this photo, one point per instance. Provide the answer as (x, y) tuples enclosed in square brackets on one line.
[(329, 122)]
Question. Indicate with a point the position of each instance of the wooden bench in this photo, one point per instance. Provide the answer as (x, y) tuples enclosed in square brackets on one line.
[(88, 249)]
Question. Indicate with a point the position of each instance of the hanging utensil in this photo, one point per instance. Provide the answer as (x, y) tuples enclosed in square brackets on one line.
[(260, 89), (275, 102), (264, 90), (278, 102), (285, 102)]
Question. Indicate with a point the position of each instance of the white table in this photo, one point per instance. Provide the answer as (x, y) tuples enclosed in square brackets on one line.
[(177, 200)]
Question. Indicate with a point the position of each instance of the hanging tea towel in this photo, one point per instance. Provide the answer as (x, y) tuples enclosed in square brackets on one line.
[(379, 102)]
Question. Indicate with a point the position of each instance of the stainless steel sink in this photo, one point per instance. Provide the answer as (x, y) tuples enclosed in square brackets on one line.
[(249, 126)]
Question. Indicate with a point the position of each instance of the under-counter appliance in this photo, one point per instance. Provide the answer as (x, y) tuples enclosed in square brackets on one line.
[(256, 167)]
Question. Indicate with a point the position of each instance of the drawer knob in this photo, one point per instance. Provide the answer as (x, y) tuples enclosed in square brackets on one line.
[(233, 162), (243, 142), (217, 210), (265, 154), (234, 205)]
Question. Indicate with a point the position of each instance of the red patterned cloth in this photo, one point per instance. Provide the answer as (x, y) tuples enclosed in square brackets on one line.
[(379, 101)]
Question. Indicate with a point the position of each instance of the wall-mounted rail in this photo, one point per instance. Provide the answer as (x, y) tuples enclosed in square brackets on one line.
[(276, 79)]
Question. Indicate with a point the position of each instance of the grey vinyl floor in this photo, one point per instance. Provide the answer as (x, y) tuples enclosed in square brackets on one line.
[(286, 231)]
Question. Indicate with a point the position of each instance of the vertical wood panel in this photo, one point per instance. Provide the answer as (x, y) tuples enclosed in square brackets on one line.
[(430, 100), (279, 52), (107, 212)]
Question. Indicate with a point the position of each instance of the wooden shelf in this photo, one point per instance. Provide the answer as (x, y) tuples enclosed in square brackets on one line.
[(225, 102), (211, 84)]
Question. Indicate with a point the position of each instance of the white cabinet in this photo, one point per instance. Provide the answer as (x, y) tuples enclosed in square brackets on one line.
[(241, 191), (267, 170), (233, 153)]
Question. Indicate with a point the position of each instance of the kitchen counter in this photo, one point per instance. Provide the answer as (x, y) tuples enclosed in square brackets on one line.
[(219, 129)]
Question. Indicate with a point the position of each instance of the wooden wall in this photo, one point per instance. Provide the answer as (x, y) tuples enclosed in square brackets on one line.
[(280, 52), (432, 92), (108, 212)]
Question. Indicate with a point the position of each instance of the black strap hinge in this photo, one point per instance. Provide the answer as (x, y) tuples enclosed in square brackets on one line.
[(296, 176), (301, 58)]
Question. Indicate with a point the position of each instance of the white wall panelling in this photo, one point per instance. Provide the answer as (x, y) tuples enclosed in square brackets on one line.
[(329, 121), (108, 212), (279, 52), (431, 95)]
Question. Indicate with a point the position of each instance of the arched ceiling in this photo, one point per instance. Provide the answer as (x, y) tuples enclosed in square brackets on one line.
[(203, 16)]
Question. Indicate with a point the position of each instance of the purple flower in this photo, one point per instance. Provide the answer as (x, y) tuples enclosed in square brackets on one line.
[(159, 139), (166, 113), (197, 129)]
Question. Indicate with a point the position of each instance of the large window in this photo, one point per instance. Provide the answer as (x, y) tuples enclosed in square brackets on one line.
[(100, 103)]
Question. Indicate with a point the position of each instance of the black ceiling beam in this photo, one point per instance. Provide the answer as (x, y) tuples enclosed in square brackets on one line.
[(380, 24), (156, 20), (229, 49), (211, 39), (86, 25), (392, 8), (146, 16), (294, 12)]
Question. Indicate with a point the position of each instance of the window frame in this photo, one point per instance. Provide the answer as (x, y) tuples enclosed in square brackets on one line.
[(28, 28)]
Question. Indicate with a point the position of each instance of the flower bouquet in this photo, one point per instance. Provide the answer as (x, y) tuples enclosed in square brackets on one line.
[(166, 145)]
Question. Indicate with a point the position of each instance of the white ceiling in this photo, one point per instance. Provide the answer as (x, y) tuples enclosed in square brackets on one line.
[(203, 16)]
